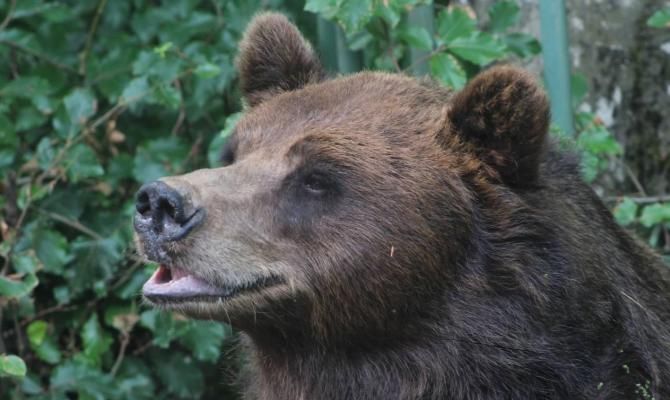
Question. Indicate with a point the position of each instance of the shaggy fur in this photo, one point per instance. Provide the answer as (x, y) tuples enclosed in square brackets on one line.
[(420, 244)]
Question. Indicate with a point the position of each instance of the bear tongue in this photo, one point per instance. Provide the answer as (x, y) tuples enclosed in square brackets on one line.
[(172, 282)]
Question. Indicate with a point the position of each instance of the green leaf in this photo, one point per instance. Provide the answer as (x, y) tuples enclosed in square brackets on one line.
[(480, 49), (207, 70), (13, 288), (27, 87), (448, 70), (354, 14), (503, 14), (597, 140), (29, 118), (654, 214), (417, 37), (12, 365), (455, 23), (625, 212), (82, 163), (204, 339), (660, 19), (78, 377), (45, 153), (168, 96), (26, 262), (133, 287), (579, 87), (386, 11), (135, 90), (165, 328), (51, 249), (96, 341), (522, 44), (135, 380), (360, 40), (328, 8), (48, 351), (80, 105), (163, 49), (36, 331), (179, 374), (158, 158)]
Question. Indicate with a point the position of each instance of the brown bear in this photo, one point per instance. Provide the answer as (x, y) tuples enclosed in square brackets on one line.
[(375, 236)]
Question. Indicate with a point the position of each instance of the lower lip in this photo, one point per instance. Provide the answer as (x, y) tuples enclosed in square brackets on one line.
[(174, 285)]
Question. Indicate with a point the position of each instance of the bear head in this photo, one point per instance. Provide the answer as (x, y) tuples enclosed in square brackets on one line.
[(343, 206)]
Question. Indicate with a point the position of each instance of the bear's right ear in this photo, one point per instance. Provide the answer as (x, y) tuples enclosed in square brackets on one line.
[(274, 57)]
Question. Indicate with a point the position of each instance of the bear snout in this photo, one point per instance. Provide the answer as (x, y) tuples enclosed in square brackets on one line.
[(163, 215)]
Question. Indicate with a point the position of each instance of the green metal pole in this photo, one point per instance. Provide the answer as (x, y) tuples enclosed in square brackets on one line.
[(422, 16), (347, 61), (333, 49), (327, 43), (557, 62)]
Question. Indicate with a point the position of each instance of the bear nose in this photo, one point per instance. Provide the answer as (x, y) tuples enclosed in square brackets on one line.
[(161, 210)]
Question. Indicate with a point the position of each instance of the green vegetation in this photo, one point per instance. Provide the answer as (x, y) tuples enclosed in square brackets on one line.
[(97, 97)]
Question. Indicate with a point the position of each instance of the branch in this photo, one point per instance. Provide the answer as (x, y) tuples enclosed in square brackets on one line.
[(36, 54), (641, 199), (125, 339), (633, 178), (425, 58), (89, 37), (8, 18), (71, 223)]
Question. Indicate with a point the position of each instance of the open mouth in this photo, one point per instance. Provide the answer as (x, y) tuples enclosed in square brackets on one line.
[(174, 285)]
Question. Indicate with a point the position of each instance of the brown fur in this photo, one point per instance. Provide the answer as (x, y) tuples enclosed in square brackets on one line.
[(421, 244)]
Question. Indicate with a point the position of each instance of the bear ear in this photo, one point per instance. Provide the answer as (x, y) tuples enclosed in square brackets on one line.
[(274, 57), (502, 115)]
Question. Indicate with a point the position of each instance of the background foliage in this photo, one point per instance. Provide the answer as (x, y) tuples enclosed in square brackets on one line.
[(97, 97)]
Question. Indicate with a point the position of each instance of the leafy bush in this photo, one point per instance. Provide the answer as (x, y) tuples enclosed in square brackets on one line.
[(98, 97)]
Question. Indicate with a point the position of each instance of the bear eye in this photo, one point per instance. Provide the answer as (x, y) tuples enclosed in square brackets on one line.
[(227, 155), (316, 183)]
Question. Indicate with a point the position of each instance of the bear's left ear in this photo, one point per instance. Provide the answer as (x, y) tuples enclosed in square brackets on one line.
[(274, 57), (502, 115)]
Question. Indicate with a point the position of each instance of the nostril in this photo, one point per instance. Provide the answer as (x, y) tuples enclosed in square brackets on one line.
[(166, 208), (143, 204)]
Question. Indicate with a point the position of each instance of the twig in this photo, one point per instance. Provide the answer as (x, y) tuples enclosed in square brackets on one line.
[(71, 223), (89, 37), (118, 108), (143, 348), (127, 274), (425, 58), (19, 339), (40, 56), (125, 339), (641, 200), (182, 111), (389, 50), (8, 18), (17, 230), (634, 179), (47, 311), (3, 349)]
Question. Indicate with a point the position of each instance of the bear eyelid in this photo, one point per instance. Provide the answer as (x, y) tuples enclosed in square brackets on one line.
[(317, 183)]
